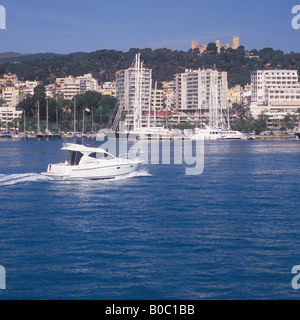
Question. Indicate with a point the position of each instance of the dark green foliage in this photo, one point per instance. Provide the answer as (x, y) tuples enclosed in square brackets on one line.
[(103, 64), (288, 122), (211, 47)]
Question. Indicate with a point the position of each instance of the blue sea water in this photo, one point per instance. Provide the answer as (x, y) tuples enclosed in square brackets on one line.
[(231, 233)]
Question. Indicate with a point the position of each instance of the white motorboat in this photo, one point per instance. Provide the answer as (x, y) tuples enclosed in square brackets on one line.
[(217, 134), (90, 163)]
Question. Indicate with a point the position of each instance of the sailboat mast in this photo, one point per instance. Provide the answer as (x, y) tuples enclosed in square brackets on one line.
[(24, 122), (38, 119), (138, 94), (155, 92), (47, 116), (74, 115), (56, 115)]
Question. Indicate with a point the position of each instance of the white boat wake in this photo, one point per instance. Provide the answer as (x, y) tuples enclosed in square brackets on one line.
[(134, 174), (14, 179)]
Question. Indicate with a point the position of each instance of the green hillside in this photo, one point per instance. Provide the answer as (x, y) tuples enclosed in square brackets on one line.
[(164, 62)]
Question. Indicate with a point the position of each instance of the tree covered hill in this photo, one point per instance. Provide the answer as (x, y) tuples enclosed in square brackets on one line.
[(103, 64)]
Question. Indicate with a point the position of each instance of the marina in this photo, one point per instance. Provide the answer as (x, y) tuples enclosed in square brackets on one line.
[(155, 134)]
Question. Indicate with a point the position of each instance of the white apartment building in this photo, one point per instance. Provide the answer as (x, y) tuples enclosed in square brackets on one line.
[(7, 114), (27, 84), (275, 92), (12, 96), (203, 95), (71, 86), (126, 90), (88, 83)]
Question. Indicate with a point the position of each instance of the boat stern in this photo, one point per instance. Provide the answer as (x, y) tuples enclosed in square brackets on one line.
[(58, 170)]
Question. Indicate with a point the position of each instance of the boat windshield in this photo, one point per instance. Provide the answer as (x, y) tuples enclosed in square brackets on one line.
[(75, 158), (100, 155)]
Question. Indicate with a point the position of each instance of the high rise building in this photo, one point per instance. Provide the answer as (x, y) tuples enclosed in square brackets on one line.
[(203, 93), (275, 92)]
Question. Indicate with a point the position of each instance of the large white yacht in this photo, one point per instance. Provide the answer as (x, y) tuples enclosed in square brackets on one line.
[(90, 163), (217, 134)]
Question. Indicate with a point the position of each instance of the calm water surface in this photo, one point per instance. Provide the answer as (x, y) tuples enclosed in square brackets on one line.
[(231, 233)]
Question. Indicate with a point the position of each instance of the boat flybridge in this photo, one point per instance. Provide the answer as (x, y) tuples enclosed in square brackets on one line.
[(90, 163)]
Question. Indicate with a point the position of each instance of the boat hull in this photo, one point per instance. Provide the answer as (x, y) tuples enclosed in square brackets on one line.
[(104, 172)]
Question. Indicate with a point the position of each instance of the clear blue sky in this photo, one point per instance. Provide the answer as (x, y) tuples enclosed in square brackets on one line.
[(65, 26)]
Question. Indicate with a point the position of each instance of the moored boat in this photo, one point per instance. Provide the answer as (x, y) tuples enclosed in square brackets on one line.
[(217, 134)]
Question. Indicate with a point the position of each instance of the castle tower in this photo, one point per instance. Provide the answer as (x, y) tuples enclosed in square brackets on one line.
[(194, 44), (235, 42), (218, 45)]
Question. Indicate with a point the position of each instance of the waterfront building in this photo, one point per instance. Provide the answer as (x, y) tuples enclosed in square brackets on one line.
[(274, 92), (72, 86), (203, 96), (202, 47), (8, 113)]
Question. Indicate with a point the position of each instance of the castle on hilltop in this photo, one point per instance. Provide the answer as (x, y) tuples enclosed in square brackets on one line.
[(202, 47)]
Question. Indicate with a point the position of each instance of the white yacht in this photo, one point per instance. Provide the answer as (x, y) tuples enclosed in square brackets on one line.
[(217, 134), (151, 132), (232, 135), (90, 163)]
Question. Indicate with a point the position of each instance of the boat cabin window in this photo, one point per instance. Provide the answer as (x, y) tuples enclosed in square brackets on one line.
[(100, 155), (75, 158)]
